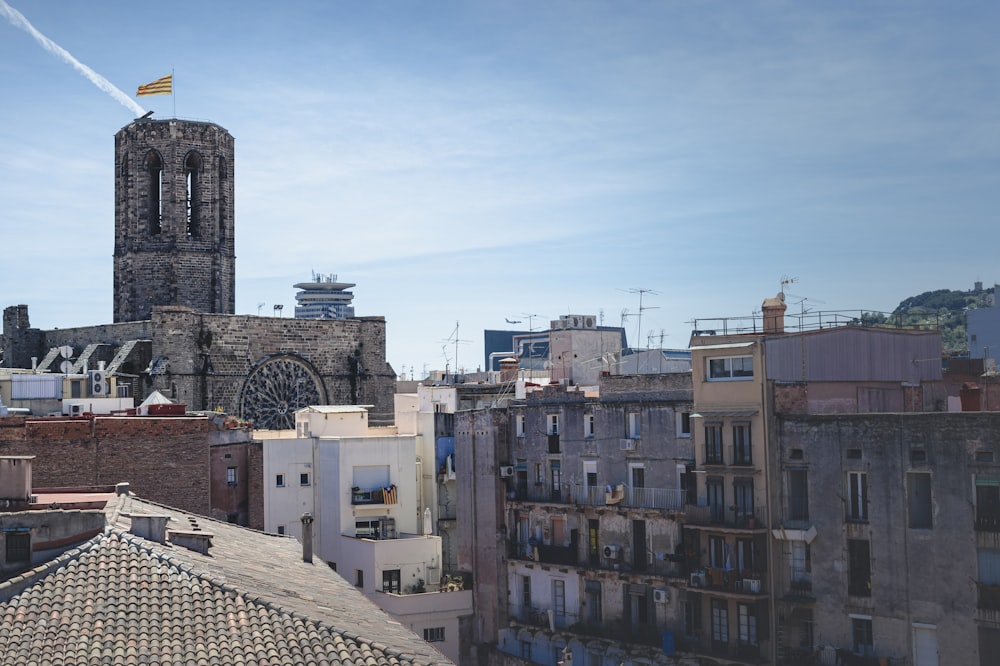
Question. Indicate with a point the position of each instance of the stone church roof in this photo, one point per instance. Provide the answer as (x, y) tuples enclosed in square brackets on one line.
[(123, 599)]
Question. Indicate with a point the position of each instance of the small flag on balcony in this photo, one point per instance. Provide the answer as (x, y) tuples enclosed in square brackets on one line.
[(161, 86)]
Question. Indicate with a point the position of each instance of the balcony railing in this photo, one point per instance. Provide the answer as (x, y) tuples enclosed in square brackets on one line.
[(544, 618), (729, 581), (989, 596), (987, 521), (630, 497), (386, 495), (729, 517)]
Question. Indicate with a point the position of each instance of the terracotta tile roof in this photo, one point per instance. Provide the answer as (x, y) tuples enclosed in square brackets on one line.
[(122, 599)]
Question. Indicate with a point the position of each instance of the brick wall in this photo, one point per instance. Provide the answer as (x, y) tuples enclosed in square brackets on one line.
[(165, 460), (255, 484), (791, 399)]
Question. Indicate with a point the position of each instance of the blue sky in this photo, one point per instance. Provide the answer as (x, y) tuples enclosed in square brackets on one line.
[(473, 162)]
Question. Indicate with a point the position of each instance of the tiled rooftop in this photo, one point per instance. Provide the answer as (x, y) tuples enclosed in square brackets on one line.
[(122, 599)]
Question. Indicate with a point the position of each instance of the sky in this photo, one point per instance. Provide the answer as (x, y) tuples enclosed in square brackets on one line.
[(469, 163)]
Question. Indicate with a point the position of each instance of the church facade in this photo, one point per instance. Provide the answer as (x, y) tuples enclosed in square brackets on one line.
[(174, 327)]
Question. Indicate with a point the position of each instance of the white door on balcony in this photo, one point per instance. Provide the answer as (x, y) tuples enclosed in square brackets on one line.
[(925, 645)]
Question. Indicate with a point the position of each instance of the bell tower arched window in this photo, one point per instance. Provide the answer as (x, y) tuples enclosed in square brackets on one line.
[(154, 168), (192, 175), (221, 210)]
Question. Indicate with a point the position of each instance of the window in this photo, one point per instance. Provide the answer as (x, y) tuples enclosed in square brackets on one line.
[(859, 571), (559, 597), (526, 594), (390, 581), (798, 494), (854, 454), (745, 557), (192, 169), (713, 444), (281, 530), (981, 456), (526, 650), (919, 491), (304, 479), (748, 624), (18, 545), (720, 622), (684, 424), (593, 597), (987, 503), (154, 170), (743, 498), (553, 427), (588, 425), (231, 476), (279, 480), (375, 528), (861, 636), (742, 449), (716, 500), (519, 425), (857, 497), (918, 455), (633, 425), (359, 578), (555, 470), (717, 552), (730, 368), (434, 634), (801, 565), (795, 454)]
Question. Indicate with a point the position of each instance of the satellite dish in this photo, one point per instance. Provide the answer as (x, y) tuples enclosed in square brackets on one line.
[(66, 351), (66, 367)]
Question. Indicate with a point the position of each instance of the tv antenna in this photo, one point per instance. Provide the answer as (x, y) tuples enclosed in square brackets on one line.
[(642, 291), (453, 338), (260, 306)]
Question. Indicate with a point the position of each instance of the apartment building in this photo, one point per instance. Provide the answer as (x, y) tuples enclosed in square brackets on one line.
[(360, 490), (573, 519)]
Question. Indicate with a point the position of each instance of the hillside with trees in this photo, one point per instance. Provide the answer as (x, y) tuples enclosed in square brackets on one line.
[(943, 309)]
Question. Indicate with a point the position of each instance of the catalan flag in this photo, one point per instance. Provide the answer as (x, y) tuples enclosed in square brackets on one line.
[(162, 86)]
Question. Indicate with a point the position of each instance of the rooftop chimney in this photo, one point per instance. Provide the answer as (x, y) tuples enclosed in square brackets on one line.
[(149, 526), (15, 479), (508, 369), (307, 537), (774, 313)]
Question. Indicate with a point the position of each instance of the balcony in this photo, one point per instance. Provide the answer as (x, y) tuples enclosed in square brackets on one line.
[(385, 495), (988, 521), (624, 495), (543, 618), (731, 517), (540, 493), (565, 555), (729, 582), (989, 596), (734, 651)]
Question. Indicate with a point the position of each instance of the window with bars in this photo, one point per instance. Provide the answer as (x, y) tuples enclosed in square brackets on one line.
[(434, 634)]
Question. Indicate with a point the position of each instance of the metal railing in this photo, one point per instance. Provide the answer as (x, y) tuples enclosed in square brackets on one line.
[(726, 517), (630, 497)]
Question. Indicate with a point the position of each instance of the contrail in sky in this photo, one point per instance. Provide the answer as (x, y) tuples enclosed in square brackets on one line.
[(17, 18)]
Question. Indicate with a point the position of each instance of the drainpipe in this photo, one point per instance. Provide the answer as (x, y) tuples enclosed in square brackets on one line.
[(767, 410)]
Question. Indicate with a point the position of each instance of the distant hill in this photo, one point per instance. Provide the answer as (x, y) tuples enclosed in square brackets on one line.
[(942, 308)]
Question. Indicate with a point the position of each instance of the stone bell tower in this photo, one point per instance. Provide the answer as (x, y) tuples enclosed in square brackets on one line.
[(174, 224)]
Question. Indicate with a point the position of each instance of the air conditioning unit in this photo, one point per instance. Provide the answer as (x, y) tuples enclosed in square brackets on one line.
[(98, 382), (506, 471), (612, 552), (75, 410), (628, 444), (661, 596), (697, 580), (751, 586)]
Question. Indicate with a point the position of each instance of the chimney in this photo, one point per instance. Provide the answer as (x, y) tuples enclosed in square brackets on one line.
[(15, 480), (508, 369), (122, 488), (307, 537), (774, 313), (149, 526)]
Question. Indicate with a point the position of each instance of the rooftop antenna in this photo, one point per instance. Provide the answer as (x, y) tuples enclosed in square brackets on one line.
[(642, 291), (455, 339), (260, 306), (531, 332), (785, 281)]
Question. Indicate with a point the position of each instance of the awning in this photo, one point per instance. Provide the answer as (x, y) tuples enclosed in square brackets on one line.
[(784, 534)]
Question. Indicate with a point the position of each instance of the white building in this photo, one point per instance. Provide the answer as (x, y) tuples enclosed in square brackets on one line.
[(372, 517)]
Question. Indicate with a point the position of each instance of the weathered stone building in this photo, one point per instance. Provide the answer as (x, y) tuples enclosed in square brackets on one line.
[(174, 329)]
